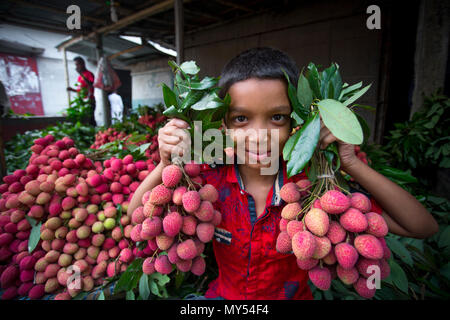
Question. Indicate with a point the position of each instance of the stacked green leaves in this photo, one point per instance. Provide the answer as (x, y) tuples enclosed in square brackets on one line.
[(193, 100), (322, 95)]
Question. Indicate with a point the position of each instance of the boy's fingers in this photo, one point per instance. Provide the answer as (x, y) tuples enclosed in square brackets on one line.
[(169, 139), (181, 124), (229, 152), (327, 140)]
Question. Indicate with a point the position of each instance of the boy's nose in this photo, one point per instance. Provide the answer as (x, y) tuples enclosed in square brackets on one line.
[(258, 138)]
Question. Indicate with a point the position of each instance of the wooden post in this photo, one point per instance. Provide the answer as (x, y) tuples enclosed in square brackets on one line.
[(106, 107), (179, 30), (66, 73)]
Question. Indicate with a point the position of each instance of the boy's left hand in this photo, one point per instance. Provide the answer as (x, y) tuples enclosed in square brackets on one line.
[(346, 150)]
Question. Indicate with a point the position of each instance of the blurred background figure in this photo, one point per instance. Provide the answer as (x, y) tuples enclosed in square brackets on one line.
[(85, 80), (116, 104)]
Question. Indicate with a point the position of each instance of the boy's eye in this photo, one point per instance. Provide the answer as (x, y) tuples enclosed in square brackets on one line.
[(278, 117), (240, 118)]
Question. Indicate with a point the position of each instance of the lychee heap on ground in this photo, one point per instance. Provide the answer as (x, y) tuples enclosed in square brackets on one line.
[(76, 201), (177, 218), (338, 237)]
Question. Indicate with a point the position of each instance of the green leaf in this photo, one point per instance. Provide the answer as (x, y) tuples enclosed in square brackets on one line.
[(179, 279), (206, 83), (154, 288), (445, 270), (305, 145), (314, 80), (292, 94), (349, 90), (173, 65), (362, 106), (398, 276), (444, 238), (341, 121), (189, 67), (172, 112), (396, 174), (35, 234), (191, 98), (304, 93), (400, 250), (326, 81), (289, 145), (170, 99), (209, 101), (101, 296), (130, 295), (364, 126), (144, 290), (144, 147), (297, 119), (162, 279), (336, 80), (130, 278), (356, 96)]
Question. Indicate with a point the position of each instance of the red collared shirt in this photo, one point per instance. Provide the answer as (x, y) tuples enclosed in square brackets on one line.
[(244, 245), (90, 76), (249, 266)]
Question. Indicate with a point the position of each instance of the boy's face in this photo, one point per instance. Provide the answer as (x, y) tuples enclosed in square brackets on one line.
[(259, 104)]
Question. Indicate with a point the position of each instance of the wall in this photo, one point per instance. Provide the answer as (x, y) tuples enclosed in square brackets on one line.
[(50, 64), (146, 79), (321, 32), (432, 56)]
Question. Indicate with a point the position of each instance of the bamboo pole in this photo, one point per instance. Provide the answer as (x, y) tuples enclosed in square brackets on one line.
[(179, 30), (66, 73)]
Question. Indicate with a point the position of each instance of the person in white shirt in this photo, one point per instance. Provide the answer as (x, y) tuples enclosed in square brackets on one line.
[(116, 104)]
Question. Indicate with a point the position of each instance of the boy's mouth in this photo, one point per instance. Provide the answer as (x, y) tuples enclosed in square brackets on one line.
[(258, 156)]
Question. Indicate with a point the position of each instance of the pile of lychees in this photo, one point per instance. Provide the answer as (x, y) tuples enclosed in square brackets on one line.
[(177, 218), (338, 236), (77, 201)]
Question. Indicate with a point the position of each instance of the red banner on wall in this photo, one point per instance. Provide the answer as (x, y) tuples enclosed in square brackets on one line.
[(20, 78)]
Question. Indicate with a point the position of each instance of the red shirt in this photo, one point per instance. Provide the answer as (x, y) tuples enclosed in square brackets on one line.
[(244, 246), (90, 76), (249, 266)]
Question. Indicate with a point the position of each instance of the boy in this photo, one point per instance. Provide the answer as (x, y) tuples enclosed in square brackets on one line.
[(244, 244)]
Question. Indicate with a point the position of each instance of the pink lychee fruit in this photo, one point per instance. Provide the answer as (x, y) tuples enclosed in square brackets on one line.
[(320, 277), (317, 221), (361, 202), (362, 289), (377, 226), (171, 175), (336, 233), (303, 245), (369, 246), (172, 223), (160, 195), (347, 276), (346, 255), (334, 202), (289, 192), (284, 243), (307, 264), (291, 210)]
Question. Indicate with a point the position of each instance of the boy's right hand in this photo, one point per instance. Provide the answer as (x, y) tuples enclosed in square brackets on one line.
[(173, 140)]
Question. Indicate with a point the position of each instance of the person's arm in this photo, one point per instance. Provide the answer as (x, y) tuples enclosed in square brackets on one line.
[(169, 138), (152, 180), (404, 214)]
